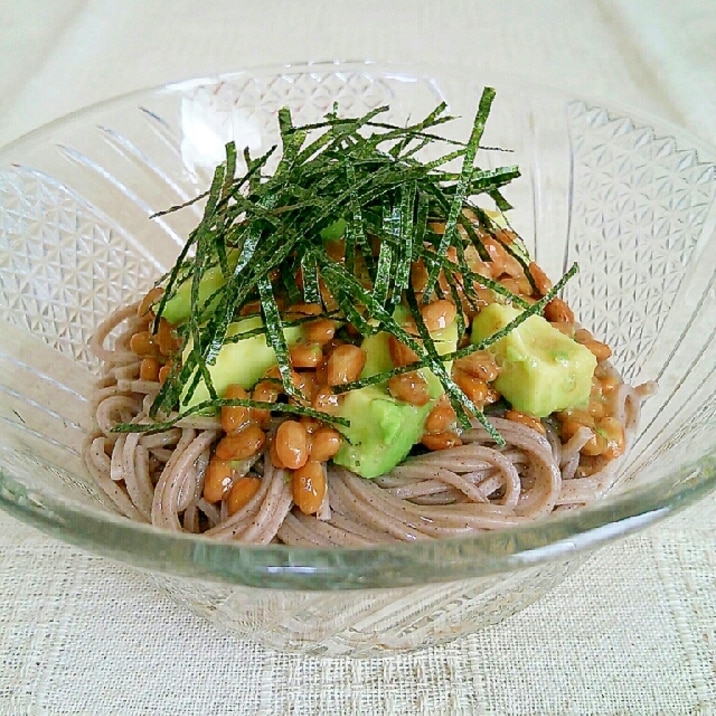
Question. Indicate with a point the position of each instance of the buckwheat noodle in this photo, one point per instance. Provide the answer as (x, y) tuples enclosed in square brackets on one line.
[(158, 478)]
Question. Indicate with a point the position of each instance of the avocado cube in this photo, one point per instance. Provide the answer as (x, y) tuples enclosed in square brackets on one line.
[(541, 369), (382, 430), (244, 361)]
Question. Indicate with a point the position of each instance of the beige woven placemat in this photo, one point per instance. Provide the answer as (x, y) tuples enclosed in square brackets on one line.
[(633, 632)]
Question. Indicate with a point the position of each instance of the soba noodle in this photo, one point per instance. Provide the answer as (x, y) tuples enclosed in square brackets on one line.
[(349, 240), (158, 477)]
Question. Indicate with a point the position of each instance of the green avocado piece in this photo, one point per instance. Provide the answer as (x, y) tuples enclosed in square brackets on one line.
[(178, 308), (377, 354), (382, 429), (445, 340), (541, 369), (334, 231), (243, 362)]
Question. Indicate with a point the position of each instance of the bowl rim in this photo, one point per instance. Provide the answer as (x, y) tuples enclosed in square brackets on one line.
[(626, 110), (561, 536)]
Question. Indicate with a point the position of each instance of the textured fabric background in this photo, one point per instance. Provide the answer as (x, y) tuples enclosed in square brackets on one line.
[(633, 632)]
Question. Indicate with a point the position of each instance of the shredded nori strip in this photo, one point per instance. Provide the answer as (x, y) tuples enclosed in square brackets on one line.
[(264, 232)]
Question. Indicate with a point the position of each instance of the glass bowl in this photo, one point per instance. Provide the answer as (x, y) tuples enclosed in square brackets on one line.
[(631, 199)]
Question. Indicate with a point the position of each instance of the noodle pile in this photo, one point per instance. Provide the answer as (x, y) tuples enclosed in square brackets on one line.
[(353, 239), (158, 478)]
